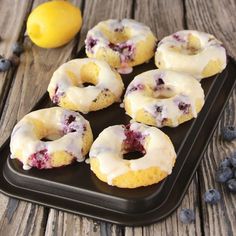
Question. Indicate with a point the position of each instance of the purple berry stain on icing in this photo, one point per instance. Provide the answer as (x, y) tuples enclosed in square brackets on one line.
[(158, 109), (40, 159), (57, 95), (184, 107), (70, 125), (178, 38), (133, 141), (183, 103), (159, 82), (136, 88), (125, 50), (90, 43)]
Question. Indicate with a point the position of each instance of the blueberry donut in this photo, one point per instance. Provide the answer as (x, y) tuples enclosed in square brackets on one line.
[(68, 137), (122, 43), (85, 85), (108, 164), (163, 98), (193, 52)]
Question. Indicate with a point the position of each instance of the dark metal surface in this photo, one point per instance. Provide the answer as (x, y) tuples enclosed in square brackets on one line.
[(76, 189)]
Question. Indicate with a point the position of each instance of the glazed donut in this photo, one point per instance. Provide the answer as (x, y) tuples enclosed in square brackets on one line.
[(106, 155), (194, 52), (69, 135), (67, 89), (163, 98), (122, 43)]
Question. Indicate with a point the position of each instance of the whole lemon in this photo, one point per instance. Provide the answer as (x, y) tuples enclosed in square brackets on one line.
[(53, 24)]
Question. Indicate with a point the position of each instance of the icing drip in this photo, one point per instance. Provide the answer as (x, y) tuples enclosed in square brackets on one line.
[(66, 127), (116, 140), (176, 52), (164, 94), (67, 80)]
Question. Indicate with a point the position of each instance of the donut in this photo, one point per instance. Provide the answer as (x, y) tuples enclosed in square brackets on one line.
[(51, 137), (163, 98), (85, 85), (193, 52), (122, 43), (107, 155)]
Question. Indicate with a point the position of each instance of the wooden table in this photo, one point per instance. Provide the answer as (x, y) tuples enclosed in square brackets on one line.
[(21, 87)]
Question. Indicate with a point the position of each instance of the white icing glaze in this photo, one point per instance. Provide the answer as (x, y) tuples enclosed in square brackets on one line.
[(211, 49), (183, 87), (50, 122), (78, 94), (108, 149), (137, 32)]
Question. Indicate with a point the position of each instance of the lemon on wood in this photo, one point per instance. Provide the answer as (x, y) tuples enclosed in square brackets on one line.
[(53, 24)]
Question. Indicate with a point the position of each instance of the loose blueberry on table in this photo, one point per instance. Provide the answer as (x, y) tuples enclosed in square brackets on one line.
[(228, 133), (5, 64), (186, 216), (212, 196)]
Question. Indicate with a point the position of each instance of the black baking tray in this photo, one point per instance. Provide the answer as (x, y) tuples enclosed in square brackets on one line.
[(76, 189)]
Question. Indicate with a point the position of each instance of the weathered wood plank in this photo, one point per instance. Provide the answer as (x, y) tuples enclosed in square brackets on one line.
[(218, 18), (21, 218), (159, 16), (31, 80), (11, 24), (219, 219), (172, 225), (16, 218)]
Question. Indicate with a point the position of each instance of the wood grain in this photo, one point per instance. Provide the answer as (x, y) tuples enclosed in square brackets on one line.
[(218, 18), (12, 28), (31, 80), (21, 218)]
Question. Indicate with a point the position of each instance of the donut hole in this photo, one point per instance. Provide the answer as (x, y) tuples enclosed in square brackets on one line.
[(132, 155), (86, 84), (162, 92), (120, 34), (89, 73), (193, 46)]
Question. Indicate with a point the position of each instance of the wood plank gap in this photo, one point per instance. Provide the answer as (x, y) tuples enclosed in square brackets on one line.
[(45, 219), (201, 214), (75, 49), (133, 6), (185, 22), (11, 74)]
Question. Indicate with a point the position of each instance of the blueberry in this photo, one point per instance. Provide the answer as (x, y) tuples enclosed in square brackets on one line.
[(225, 163), (228, 133), (212, 196), (224, 174), (233, 160), (186, 216), (231, 185), (17, 48), (5, 64)]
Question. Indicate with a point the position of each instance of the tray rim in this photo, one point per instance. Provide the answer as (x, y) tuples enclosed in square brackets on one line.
[(4, 188)]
